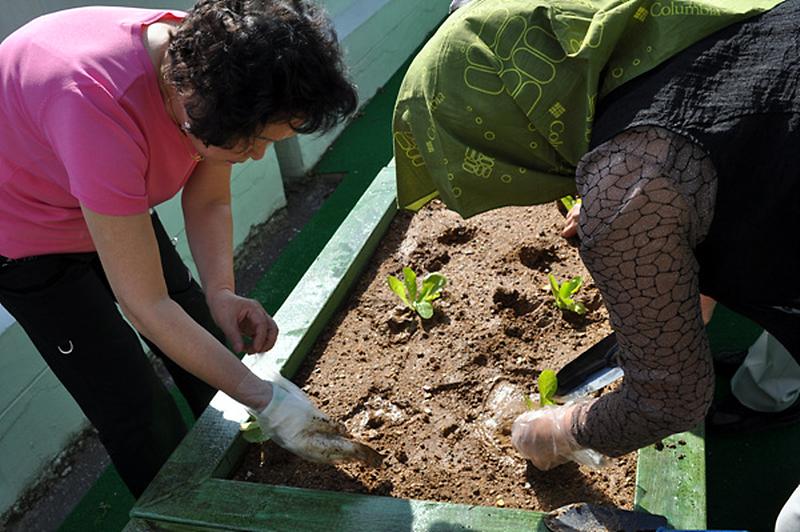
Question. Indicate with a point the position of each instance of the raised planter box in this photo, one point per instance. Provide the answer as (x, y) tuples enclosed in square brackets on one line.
[(191, 491)]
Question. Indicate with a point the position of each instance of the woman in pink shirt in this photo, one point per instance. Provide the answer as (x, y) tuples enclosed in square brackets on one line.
[(106, 112)]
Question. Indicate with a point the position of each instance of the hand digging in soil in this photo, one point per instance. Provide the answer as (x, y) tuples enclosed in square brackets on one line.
[(328, 442)]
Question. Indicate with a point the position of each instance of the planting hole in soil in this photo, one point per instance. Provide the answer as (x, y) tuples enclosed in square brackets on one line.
[(437, 396)]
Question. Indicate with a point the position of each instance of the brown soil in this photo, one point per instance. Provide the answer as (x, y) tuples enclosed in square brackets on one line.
[(425, 393)]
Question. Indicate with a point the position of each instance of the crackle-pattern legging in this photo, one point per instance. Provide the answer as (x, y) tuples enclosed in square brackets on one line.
[(648, 199)]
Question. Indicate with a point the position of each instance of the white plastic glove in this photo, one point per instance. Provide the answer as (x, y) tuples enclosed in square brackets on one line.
[(544, 437), (294, 423)]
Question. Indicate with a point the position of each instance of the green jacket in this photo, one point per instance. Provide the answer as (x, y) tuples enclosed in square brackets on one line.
[(497, 108)]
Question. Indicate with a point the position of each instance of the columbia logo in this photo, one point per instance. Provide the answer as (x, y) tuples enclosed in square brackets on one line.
[(66, 348), (640, 14), (557, 109)]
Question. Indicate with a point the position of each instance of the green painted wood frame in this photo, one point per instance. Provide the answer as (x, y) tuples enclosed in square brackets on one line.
[(191, 491)]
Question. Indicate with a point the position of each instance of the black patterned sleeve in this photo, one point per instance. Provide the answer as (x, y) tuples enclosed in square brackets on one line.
[(647, 201)]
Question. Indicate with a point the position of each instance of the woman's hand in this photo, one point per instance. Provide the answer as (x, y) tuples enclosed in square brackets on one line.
[(292, 421), (707, 306), (240, 317), (571, 223), (544, 437)]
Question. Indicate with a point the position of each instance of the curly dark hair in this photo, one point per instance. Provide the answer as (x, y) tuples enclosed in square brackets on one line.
[(243, 64)]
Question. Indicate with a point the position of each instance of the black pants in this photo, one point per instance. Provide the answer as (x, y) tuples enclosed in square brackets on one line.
[(66, 306)]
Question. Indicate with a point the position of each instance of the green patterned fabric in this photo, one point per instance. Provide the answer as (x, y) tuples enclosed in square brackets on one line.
[(497, 108)]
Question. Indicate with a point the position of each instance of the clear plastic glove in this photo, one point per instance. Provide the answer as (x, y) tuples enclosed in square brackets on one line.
[(544, 437), (294, 423)]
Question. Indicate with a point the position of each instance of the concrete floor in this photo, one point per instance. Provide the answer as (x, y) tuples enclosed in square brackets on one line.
[(49, 502)]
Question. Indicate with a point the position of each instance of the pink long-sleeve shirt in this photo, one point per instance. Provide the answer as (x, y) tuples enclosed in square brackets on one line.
[(82, 121)]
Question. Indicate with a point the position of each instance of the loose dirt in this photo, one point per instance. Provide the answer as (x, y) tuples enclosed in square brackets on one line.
[(427, 394)]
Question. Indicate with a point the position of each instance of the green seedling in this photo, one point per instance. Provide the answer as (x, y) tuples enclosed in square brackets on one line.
[(251, 431), (418, 299), (569, 202), (564, 292), (548, 384)]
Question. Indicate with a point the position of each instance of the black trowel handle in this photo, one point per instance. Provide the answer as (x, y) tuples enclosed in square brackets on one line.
[(576, 371)]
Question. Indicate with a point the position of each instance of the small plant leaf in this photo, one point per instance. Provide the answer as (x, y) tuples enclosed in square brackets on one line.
[(578, 308), (573, 285), (554, 285), (399, 288), (251, 432), (418, 300), (424, 309), (563, 294), (548, 384), (569, 202), (410, 280), (557, 292), (432, 286)]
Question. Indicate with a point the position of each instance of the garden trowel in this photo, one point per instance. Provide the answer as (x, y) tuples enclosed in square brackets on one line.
[(590, 371), (580, 517)]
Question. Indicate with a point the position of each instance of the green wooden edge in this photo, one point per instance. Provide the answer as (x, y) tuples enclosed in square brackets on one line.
[(248, 506), (188, 494), (672, 481)]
